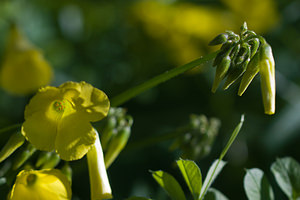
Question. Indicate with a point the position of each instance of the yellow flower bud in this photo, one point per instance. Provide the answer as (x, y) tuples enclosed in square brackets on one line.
[(267, 78)]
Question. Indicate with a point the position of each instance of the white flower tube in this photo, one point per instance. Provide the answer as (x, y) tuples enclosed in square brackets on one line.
[(100, 187)]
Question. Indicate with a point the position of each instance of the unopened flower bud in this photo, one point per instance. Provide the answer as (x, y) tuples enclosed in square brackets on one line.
[(244, 27), (254, 44), (220, 39), (234, 74), (43, 157), (52, 162), (14, 142), (267, 78), (221, 72), (23, 156), (67, 171), (250, 73)]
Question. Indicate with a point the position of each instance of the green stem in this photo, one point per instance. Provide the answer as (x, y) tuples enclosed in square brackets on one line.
[(229, 143), (154, 140), (133, 92), (10, 128)]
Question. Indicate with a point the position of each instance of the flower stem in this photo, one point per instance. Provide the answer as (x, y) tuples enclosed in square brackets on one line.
[(156, 139), (10, 128), (229, 143), (133, 92)]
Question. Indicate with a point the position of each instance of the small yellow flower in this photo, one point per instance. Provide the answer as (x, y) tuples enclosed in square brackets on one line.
[(43, 184), (58, 118), (24, 69)]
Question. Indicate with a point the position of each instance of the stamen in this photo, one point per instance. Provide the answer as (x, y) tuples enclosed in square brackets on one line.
[(59, 106)]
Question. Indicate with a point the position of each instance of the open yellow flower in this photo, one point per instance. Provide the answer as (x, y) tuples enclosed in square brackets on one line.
[(43, 184), (58, 118)]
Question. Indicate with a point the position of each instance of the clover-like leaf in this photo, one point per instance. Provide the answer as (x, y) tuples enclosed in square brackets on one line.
[(287, 174), (192, 176), (257, 186), (169, 184)]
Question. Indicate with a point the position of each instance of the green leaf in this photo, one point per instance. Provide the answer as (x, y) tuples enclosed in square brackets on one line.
[(287, 174), (14, 142), (257, 186), (212, 173), (213, 194), (192, 176), (169, 184), (138, 198)]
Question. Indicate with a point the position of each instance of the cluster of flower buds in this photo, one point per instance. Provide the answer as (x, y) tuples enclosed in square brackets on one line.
[(245, 55), (197, 139), (115, 133)]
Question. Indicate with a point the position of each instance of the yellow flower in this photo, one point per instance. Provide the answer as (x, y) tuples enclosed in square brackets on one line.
[(24, 70), (43, 184), (58, 118)]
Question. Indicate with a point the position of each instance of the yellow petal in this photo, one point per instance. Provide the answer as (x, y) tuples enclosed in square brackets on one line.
[(91, 102), (40, 131), (42, 100), (40, 126), (74, 138), (46, 185)]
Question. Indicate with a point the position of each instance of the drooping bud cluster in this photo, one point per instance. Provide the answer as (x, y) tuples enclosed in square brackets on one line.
[(115, 133), (198, 137), (245, 55)]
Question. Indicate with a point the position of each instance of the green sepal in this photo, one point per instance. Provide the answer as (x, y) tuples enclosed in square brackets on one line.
[(220, 39), (14, 142), (250, 73)]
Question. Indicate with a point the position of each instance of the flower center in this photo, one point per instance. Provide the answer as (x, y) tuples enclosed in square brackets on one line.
[(31, 178), (59, 106)]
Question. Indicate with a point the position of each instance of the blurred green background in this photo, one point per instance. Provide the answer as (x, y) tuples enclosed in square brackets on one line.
[(115, 45)]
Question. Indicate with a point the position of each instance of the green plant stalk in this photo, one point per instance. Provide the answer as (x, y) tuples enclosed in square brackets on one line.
[(156, 139), (10, 128), (229, 143), (133, 92)]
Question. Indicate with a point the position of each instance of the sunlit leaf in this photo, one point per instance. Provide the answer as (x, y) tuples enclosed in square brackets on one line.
[(192, 176), (169, 184), (257, 186), (287, 174)]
